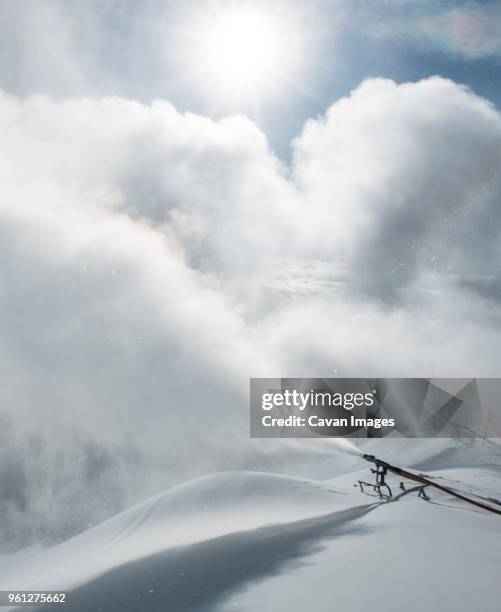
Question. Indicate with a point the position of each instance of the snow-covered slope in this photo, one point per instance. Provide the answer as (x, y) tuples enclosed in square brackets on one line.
[(252, 541)]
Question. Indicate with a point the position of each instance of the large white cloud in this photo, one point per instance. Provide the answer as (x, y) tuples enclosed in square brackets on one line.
[(152, 261), (410, 177)]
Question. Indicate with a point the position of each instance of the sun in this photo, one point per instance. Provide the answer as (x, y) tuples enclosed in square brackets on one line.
[(242, 50)]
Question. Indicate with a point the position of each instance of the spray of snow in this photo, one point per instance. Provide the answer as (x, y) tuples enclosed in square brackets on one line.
[(346, 446)]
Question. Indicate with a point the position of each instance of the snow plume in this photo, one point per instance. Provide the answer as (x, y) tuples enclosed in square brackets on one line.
[(152, 261), (348, 447)]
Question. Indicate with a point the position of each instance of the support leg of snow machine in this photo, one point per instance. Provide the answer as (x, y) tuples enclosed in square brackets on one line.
[(422, 493), (376, 487), (390, 494)]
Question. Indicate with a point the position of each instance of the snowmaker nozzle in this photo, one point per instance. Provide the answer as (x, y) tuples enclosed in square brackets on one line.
[(370, 458)]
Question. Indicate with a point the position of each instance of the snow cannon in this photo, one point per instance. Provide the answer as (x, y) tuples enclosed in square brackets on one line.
[(382, 468), (380, 471)]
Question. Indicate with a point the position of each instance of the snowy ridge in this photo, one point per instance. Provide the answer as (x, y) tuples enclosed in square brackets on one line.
[(254, 541)]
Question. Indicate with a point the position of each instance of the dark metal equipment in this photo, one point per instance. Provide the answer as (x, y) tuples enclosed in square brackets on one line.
[(382, 467), (380, 471)]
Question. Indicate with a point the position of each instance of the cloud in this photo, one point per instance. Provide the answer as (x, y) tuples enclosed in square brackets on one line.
[(472, 32), (152, 261), (464, 29), (410, 176), (40, 47)]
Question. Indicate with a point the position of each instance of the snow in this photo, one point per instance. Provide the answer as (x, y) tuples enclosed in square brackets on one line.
[(252, 541)]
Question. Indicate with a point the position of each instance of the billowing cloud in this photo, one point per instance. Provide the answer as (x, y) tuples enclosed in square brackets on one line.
[(409, 176), (152, 261)]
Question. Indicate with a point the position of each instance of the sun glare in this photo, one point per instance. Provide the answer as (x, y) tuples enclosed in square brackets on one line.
[(242, 50)]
